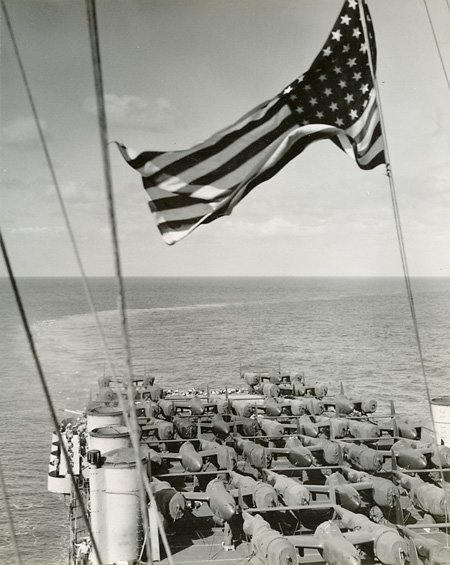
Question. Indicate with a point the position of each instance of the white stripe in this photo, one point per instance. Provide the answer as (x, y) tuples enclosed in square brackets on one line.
[(173, 236), (347, 147), (365, 142), (376, 148)]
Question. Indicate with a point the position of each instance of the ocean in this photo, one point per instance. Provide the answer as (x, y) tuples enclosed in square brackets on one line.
[(193, 331)]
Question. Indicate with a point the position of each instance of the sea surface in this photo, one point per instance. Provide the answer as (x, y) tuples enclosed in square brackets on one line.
[(193, 331)]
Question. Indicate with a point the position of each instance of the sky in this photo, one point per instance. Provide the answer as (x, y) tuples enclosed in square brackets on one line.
[(175, 72)]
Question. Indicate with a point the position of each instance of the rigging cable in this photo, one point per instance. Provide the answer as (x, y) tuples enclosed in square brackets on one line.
[(103, 128), (46, 390), (144, 483), (10, 518), (85, 283), (402, 248), (436, 41)]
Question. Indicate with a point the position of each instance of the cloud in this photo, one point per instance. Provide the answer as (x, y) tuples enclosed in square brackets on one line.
[(134, 111), (22, 130)]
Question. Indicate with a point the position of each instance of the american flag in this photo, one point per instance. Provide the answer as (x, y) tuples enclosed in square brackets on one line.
[(335, 99)]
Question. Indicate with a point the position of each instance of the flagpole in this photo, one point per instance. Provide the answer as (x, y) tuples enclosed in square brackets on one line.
[(389, 174)]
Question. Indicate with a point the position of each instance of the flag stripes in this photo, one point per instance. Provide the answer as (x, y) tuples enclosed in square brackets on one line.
[(335, 99)]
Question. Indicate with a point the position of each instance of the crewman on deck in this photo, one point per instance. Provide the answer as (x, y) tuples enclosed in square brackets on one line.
[(83, 551)]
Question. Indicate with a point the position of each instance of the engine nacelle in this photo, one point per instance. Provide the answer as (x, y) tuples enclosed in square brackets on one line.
[(270, 546)]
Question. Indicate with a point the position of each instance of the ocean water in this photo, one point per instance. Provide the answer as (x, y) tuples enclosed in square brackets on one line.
[(194, 331)]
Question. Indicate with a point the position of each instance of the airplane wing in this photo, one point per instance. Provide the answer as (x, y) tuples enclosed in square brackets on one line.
[(307, 540), (199, 496), (367, 485), (170, 456), (208, 453)]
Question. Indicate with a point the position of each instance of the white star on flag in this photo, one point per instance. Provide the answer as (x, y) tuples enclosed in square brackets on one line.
[(336, 35)]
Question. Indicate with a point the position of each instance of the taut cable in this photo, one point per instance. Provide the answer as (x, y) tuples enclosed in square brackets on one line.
[(401, 242), (10, 518), (437, 42), (103, 129), (85, 283)]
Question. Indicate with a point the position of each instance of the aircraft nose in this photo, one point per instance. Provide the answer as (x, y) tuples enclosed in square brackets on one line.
[(228, 511), (221, 428), (421, 462), (192, 462), (353, 502)]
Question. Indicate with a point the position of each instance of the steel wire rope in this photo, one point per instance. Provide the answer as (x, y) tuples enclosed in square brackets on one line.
[(46, 390), (103, 130), (72, 238), (12, 528), (436, 41), (86, 287), (404, 261), (144, 483)]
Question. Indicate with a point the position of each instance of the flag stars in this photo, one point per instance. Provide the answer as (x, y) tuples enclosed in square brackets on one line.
[(293, 97), (356, 32), (319, 115), (299, 109), (328, 92), (349, 98), (352, 4), (313, 101), (327, 51), (333, 107), (336, 35), (357, 76), (351, 62), (363, 48), (307, 87), (364, 88), (342, 83), (353, 114), (346, 48), (287, 89), (337, 70), (322, 78), (339, 122), (345, 19)]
